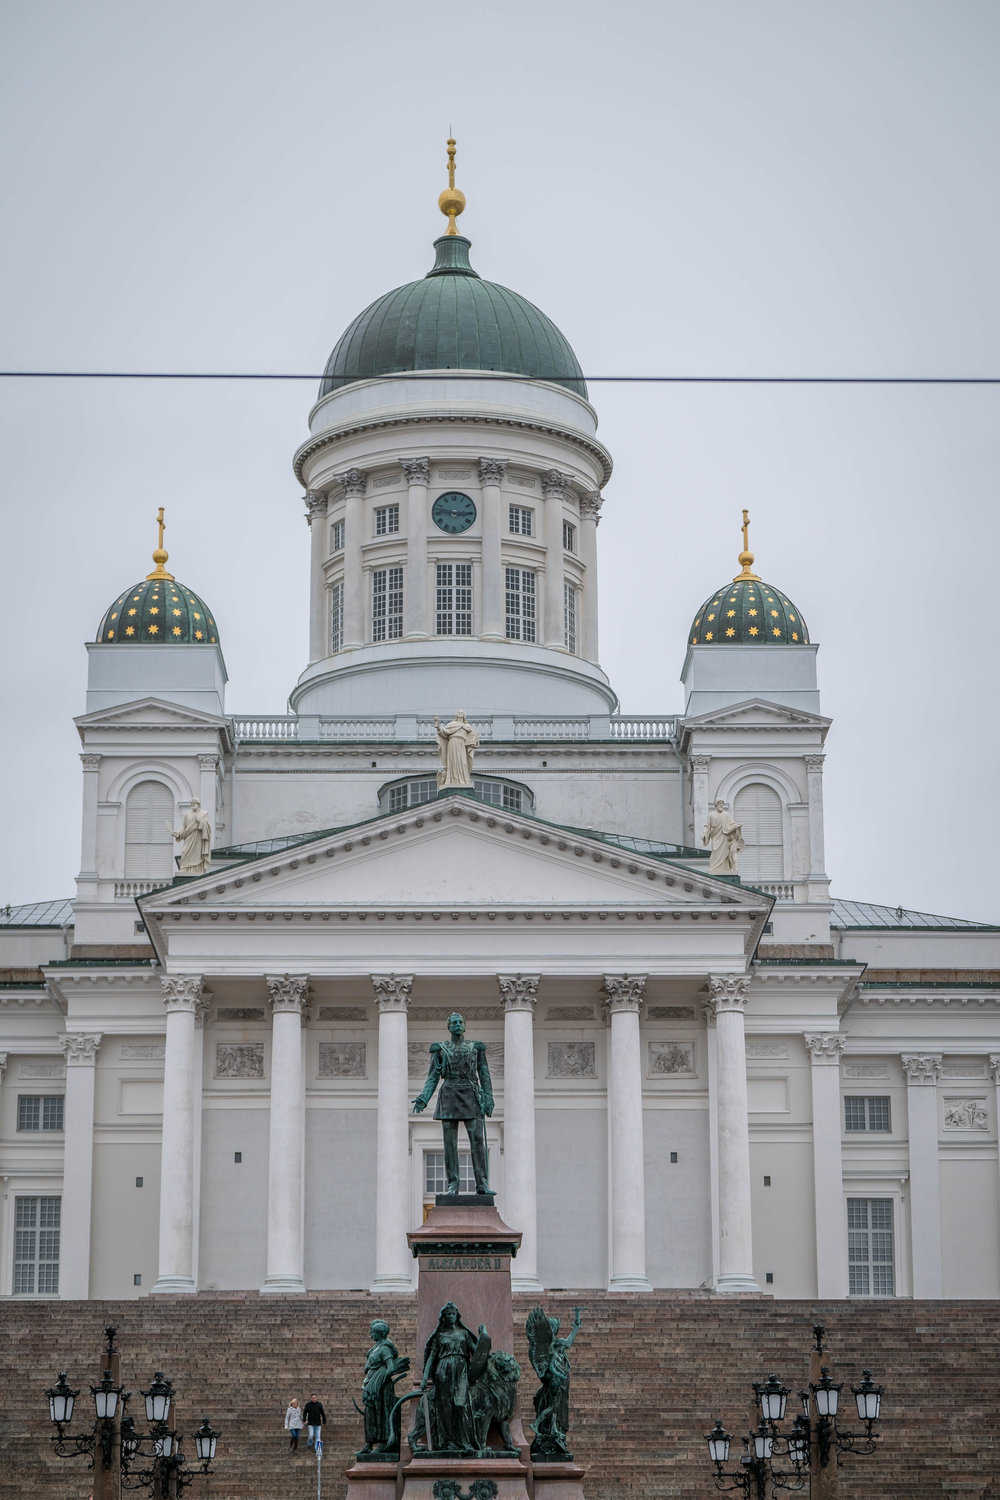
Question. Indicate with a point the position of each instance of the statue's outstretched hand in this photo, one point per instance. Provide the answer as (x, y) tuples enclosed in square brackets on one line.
[(482, 1331), (419, 1106)]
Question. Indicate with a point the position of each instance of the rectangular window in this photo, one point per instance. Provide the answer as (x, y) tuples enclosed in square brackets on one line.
[(453, 613), (520, 518), (411, 794), (569, 617), (386, 519), (434, 1178), (870, 1248), (520, 604), (569, 537), (337, 617), (40, 1112), (498, 795), (36, 1247), (387, 604), (338, 536), (866, 1113)]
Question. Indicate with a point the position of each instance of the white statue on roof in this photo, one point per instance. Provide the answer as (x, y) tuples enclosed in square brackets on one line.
[(195, 838), (726, 839)]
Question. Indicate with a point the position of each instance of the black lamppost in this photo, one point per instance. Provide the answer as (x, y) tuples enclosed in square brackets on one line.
[(114, 1445), (814, 1438)]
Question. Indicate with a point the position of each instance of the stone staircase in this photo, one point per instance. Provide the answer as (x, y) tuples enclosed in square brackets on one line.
[(650, 1375)]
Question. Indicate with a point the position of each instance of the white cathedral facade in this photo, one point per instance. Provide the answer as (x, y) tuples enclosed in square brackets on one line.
[(706, 1080)]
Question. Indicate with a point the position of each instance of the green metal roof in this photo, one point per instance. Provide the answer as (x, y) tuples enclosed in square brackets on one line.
[(452, 320), (853, 914), (748, 612), (38, 914), (158, 611)]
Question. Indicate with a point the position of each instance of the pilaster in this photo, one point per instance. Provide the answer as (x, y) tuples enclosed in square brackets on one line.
[(78, 1165), (88, 837), (518, 997), (923, 1072), (492, 472), (317, 506), (624, 997), (554, 486), (590, 519), (392, 1150), (354, 483), (698, 766), (417, 623), (825, 1049)]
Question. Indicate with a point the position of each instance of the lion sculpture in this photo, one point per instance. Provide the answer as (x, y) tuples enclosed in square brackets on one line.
[(494, 1398)]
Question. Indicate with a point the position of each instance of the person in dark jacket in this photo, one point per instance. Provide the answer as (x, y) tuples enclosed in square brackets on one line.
[(313, 1416)]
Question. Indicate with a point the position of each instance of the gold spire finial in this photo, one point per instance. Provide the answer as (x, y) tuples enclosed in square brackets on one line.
[(746, 556), (159, 555), (452, 200)]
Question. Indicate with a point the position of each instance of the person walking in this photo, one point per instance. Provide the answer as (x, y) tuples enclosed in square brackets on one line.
[(313, 1416), (293, 1423)]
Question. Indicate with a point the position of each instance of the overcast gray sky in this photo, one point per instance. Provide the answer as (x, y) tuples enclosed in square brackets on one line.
[(738, 187)]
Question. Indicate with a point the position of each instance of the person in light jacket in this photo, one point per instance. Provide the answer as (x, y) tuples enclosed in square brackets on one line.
[(293, 1423)]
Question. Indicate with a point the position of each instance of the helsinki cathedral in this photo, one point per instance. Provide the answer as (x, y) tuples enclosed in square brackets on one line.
[(709, 1071)]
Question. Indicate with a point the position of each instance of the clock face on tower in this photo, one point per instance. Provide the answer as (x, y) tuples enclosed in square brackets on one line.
[(454, 511)]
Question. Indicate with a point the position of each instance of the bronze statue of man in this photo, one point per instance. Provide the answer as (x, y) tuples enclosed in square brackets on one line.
[(460, 1067)]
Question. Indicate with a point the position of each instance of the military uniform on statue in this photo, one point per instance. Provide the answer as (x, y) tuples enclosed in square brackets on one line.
[(466, 1095)]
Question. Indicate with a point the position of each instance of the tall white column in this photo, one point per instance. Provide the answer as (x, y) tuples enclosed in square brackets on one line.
[(725, 1007), (354, 484), (182, 996), (417, 622), (494, 518), (624, 995), (922, 1075), (285, 1168), (88, 838), (554, 484), (392, 1137), (317, 505), (78, 1166), (590, 517), (994, 1069), (828, 1165), (518, 995)]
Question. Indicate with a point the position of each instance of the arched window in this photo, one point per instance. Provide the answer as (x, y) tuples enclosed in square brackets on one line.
[(149, 844), (758, 808)]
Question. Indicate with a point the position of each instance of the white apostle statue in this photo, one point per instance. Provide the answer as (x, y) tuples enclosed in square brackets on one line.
[(456, 742), (726, 839), (194, 837)]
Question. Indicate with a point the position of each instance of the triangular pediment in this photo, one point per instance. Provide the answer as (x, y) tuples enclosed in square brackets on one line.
[(762, 713), (146, 713), (455, 854)]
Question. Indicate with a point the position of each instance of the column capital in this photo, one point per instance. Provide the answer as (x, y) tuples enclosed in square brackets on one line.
[(416, 470), (354, 482), (81, 1051), (90, 762), (182, 991), (922, 1068), (727, 992), (518, 991), (825, 1047), (699, 763), (555, 483), (317, 504), (392, 992), (623, 992), (208, 762), (590, 505), (814, 762), (492, 470), (286, 993)]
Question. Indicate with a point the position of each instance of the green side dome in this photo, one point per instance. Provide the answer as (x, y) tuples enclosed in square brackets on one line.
[(158, 611), (452, 320), (748, 611)]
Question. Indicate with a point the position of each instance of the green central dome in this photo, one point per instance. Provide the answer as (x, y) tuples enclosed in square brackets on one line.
[(452, 320)]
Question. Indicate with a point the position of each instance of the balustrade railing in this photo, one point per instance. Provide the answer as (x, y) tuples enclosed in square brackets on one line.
[(127, 890), (274, 727), (782, 890), (619, 727)]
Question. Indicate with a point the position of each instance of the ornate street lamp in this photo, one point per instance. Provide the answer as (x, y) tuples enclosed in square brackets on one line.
[(813, 1439)]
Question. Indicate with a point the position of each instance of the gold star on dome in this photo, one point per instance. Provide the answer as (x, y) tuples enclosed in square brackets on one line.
[(752, 611), (795, 635), (774, 614), (197, 615), (792, 618), (175, 611), (115, 615), (135, 596), (212, 639), (711, 617), (130, 630), (132, 611), (775, 631), (111, 635), (154, 611), (708, 635), (177, 630), (730, 631), (153, 629), (730, 614), (698, 621), (753, 630), (198, 635)]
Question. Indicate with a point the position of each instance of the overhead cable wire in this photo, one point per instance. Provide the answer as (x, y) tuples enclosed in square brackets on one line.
[(561, 379)]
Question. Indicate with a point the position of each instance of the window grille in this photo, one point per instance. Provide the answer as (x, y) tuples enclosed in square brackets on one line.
[(36, 1246), (569, 537), (758, 808), (870, 1247), (411, 794), (386, 519), (434, 1178), (569, 617), (866, 1112), (520, 520), (387, 604), (499, 795), (454, 599), (337, 617), (338, 536), (520, 604), (149, 844), (40, 1112)]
